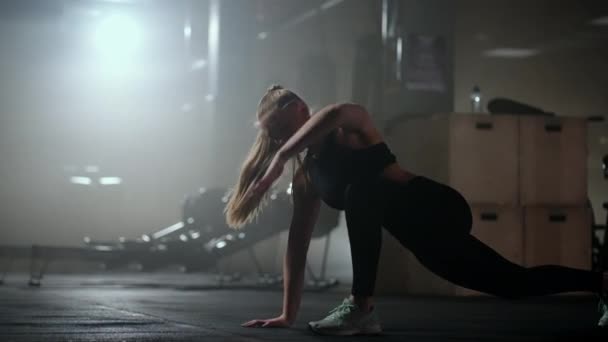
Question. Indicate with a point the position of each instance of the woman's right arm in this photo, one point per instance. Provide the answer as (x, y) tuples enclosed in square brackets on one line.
[(306, 204)]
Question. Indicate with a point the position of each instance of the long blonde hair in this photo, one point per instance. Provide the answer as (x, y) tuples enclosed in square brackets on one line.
[(242, 209)]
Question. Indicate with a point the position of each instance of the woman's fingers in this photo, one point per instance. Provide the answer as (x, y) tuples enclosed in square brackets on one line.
[(251, 323), (265, 323), (256, 323)]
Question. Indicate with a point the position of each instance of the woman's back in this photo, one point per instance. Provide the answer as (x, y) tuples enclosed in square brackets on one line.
[(334, 166)]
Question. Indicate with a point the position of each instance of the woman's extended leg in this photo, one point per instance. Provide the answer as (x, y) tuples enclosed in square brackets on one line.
[(468, 262), (437, 230)]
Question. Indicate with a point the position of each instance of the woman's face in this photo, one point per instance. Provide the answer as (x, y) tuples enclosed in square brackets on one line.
[(283, 125)]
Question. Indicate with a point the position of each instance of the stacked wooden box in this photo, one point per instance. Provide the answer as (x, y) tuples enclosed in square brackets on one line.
[(525, 179)]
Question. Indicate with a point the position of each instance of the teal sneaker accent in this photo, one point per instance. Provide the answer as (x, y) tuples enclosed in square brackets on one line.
[(347, 319)]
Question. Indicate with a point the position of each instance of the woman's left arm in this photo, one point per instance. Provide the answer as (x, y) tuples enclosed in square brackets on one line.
[(348, 115)]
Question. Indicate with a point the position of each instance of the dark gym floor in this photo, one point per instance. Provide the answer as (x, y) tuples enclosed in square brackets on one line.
[(173, 308)]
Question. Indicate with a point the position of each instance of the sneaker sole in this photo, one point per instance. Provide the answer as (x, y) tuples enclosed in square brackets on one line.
[(375, 330)]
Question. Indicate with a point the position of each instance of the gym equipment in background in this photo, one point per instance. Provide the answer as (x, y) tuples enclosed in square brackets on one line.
[(197, 243), (507, 106)]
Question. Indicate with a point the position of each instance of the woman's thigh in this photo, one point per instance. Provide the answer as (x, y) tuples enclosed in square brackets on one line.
[(426, 210)]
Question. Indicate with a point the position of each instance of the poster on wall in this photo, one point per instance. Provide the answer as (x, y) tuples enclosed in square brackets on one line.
[(425, 63)]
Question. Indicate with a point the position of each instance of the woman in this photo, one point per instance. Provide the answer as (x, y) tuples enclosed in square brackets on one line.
[(348, 166)]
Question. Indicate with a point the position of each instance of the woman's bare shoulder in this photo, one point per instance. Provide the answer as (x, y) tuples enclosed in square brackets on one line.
[(357, 120)]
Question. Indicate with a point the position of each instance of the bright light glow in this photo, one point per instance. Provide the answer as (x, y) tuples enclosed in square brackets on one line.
[(187, 31), (195, 235), (199, 64), (81, 180), (202, 190), (87, 239), (262, 35), (183, 237), (110, 180), (103, 248), (476, 99), (190, 220), (510, 53), (273, 196), (146, 238), (117, 38), (91, 168), (220, 244), (214, 26), (122, 239), (168, 230), (289, 189), (213, 50), (601, 21), (230, 237), (399, 56), (241, 235)]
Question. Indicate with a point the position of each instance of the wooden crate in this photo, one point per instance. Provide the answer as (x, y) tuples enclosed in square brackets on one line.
[(553, 161), (558, 236), (474, 153), (501, 228)]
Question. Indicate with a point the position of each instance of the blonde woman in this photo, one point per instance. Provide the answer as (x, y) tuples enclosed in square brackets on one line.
[(348, 166)]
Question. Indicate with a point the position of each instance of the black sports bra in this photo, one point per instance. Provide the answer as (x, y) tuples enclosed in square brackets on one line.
[(336, 166)]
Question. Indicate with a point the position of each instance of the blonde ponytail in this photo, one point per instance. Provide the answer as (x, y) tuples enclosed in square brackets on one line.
[(241, 209)]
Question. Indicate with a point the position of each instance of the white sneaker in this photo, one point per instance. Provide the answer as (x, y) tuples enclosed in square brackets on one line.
[(603, 309), (348, 319)]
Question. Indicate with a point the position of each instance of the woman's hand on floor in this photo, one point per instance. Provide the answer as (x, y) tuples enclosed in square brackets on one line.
[(277, 322)]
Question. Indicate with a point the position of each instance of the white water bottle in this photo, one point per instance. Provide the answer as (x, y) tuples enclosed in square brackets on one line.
[(476, 99)]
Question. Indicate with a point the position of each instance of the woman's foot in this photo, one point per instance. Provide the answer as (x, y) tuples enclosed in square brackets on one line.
[(348, 319)]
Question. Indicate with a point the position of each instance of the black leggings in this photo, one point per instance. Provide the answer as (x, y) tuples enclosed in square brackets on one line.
[(434, 222)]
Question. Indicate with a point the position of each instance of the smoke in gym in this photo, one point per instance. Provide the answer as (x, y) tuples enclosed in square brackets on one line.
[(252, 170)]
